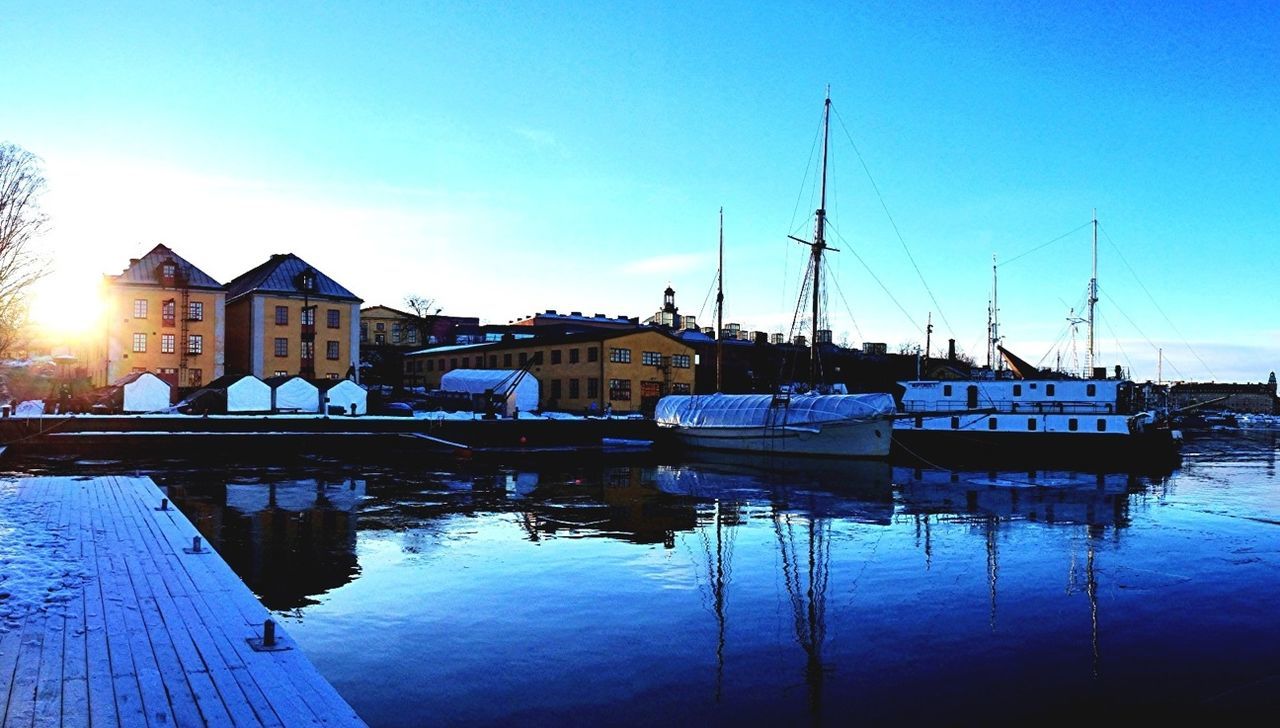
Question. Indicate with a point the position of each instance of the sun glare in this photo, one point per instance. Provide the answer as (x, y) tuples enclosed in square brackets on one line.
[(66, 313)]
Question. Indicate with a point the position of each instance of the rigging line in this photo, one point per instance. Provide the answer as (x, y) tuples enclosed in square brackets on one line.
[(1140, 331), (1154, 303), (1123, 353), (854, 253), (707, 298), (1041, 246), (817, 134), (893, 223), (847, 308)]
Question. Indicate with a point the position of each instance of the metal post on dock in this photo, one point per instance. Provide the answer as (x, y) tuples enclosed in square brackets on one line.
[(196, 547), (164, 505)]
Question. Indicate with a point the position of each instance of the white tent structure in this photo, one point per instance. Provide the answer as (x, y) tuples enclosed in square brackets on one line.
[(346, 394), (293, 394), (145, 392), (245, 393), (520, 388)]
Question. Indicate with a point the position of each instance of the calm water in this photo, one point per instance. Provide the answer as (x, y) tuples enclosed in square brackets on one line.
[(729, 592)]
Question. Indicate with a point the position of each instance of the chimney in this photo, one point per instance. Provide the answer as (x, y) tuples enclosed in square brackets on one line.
[(951, 350)]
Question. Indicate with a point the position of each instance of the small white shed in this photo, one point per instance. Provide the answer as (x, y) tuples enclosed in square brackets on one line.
[(521, 391), (293, 394), (344, 393), (145, 392), (245, 393)]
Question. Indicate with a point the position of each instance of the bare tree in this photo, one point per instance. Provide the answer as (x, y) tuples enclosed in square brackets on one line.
[(425, 310), (21, 222)]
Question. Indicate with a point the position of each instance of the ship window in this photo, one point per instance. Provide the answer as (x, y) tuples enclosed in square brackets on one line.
[(991, 424), (1017, 390), (955, 423), (946, 390), (1102, 425), (919, 422), (1091, 390), (1031, 423), (1048, 390), (1033, 385), (1073, 424)]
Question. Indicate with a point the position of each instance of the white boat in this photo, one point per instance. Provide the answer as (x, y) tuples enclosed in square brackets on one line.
[(837, 425)]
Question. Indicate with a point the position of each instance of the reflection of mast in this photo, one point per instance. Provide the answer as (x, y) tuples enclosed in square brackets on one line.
[(993, 566), (719, 573), (808, 597), (1091, 588)]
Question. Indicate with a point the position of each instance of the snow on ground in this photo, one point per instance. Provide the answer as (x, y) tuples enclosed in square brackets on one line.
[(38, 574)]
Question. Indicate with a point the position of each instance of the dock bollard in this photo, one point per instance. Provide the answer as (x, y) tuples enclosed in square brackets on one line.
[(268, 641), (164, 504), (196, 548), (269, 633)]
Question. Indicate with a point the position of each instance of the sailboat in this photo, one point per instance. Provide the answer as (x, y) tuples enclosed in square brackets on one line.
[(811, 423)]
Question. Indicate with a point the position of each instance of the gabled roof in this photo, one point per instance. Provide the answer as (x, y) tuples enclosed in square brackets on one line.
[(282, 274), (146, 270), (369, 309), (227, 380)]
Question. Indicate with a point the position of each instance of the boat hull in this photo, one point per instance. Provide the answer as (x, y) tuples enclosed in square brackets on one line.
[(860, 439), (1151, 449)]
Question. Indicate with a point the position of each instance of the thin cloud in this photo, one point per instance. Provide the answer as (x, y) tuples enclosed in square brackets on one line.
[(540, 138)]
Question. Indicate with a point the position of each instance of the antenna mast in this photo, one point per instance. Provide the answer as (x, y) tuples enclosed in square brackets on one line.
[(993, 322), (1093, 291), (720, 307)]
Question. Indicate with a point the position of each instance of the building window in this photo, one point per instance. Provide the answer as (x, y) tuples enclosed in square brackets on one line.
[(379, 339), (308, 349), (1091, 390), (195, 377), (139, 308), (574, 390), (555, 389), (466, 362), (453, 362), (647, 358), (555, 356), (573, 356), (524, 358), (1031, 423), (195, 311), (167, 344), (620, 390), (493, 361), (309, 316), (680, 361), (1102, 425), (333, 375), (139, 343), (395, 333), (431, 365), (281, 373), (1073, 424), (946, 390), (1017, 390), (195, 344), (168, 372), (593, 388), (335, 318), (680, 388), (282, 346), (282, 315), (506, 360), (592, 353), (167, 313), (168, 270), (1048, 390), (331, 351), (380, 326), (413, 336), (618, 355), (991, 424), (364, 332), (442, 368)]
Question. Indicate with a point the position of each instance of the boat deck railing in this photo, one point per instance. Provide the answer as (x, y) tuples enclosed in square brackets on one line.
[(1015, 407)]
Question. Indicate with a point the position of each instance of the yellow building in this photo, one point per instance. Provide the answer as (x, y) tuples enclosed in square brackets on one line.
[(386, 326), (286, 317), (162, 315), (625, 370)]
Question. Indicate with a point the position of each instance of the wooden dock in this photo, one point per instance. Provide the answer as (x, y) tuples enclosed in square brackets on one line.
[(105, 620)]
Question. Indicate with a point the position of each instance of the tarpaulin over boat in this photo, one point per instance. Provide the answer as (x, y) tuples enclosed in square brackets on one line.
[(764, 410)]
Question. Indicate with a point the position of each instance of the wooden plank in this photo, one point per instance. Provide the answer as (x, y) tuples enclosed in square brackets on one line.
[(102, 700)]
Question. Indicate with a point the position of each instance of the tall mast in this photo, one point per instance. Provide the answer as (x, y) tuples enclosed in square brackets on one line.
[(720, 307), (993, 322), (1093, 290), (819, 243)]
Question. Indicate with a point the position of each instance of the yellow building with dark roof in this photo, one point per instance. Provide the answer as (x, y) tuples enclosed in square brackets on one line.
[(161, 315)]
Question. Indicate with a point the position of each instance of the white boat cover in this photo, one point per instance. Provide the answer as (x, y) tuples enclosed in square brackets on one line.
[(248, 394), (759, 410), (145, 392), (347, 394), (295, 394), (478, 381)]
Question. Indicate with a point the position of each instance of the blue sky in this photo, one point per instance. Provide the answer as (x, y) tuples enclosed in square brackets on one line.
[(506, 158)]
